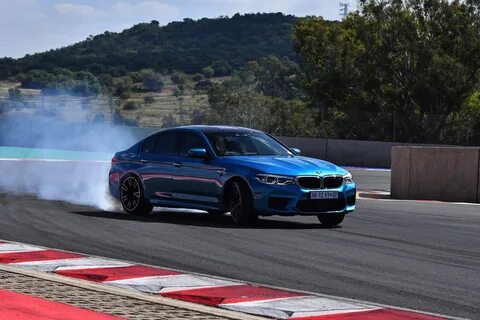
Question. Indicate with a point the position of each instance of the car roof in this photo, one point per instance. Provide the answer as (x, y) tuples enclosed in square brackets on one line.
[(216, 129)]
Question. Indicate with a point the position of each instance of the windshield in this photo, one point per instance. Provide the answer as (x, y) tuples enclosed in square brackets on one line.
[(246, 144)]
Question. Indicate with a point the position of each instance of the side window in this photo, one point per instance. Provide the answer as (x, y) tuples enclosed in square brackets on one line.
[(190, 141), (149, 145), (166, 144)]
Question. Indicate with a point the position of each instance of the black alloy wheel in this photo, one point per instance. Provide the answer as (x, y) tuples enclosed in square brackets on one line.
[(241, 204), (132, 197)]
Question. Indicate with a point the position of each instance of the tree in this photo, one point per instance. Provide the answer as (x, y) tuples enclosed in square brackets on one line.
[(222, 68), (237, 103), (208, 72), (122, 85), (85, 84), (179, 78), (130, 105), (197, 77), (277, 77), (395, 69), (151, 81)]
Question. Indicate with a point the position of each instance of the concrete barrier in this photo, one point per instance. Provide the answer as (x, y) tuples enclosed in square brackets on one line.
[(436, 173), (360, 153), (372, 154), (310, 147)]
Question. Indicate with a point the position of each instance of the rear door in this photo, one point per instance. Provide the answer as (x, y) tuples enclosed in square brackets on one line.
[(158, 156), (196, 181)]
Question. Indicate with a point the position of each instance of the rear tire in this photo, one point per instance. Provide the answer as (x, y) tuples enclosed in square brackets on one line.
[(240, 204), (331, 220), (132, 196)]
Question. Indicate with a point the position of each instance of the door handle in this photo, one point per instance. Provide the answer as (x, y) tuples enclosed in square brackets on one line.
[(177, 164), (143, 161)]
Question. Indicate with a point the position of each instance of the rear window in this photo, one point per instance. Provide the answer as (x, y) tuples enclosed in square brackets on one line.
[(161, 144)]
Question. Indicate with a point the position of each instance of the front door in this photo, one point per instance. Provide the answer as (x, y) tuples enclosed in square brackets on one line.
[(196, 180)]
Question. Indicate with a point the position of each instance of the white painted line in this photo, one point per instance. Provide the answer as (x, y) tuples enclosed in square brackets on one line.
[(16, 247), (170, 283), (67, 264), (295, 307), (331, 312), (107, 264)]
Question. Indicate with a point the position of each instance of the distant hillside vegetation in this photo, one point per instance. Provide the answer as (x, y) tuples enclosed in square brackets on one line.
[(188, 46)]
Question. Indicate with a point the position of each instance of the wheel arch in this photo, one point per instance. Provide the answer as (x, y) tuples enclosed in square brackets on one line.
[(131, 173), (228, 184)]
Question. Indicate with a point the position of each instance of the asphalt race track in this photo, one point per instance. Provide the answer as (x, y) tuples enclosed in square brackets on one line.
[(419, 255)]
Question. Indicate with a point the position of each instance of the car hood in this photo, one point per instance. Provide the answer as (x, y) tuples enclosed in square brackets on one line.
[(285, 165)]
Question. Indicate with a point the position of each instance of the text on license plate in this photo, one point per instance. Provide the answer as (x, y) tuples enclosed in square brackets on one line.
[(324, 195)]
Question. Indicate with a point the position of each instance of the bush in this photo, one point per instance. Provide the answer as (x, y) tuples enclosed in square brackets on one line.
[(179, 78), (148, 99), (151, 80), (208, 72), (222, 68), (197, 77), (203, 85), (125, 95), (130, 105), (178, 91), (122, 85)]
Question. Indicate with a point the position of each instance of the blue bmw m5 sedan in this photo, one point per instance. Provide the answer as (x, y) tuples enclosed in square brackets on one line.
[(223, 169)]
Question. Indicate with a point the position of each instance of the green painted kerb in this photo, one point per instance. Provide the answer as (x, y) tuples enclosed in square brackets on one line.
[(29, 153)]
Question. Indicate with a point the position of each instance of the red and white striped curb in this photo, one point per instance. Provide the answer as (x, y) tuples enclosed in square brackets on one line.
[(211, 291)]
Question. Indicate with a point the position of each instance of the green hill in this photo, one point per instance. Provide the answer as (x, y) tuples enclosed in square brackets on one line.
[(188, 46)]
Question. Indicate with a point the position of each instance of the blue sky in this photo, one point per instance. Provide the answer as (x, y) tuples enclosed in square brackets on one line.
[(29, 26)]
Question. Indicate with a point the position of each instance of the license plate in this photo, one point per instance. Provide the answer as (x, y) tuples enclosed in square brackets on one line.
[(324, 195)]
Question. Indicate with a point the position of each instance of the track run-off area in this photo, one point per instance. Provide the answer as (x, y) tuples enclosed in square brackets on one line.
[(417, 255)]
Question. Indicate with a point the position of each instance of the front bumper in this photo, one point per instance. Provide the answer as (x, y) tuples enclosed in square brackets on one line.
[(293, 200)]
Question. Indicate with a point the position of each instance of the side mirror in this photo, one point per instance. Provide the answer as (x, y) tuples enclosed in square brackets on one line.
[(198, 153), (296, 151)]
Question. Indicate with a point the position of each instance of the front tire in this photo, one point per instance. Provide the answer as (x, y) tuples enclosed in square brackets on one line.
[(132, 196), (240, 203), (331, 220)]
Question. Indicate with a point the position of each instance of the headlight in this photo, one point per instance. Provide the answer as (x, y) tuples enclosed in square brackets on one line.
[(274, 179), (347, 179)]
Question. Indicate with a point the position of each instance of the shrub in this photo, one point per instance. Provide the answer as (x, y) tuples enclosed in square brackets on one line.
[(203, 85), (197, 77), (209, 72), (130, 105), (148, 99)]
